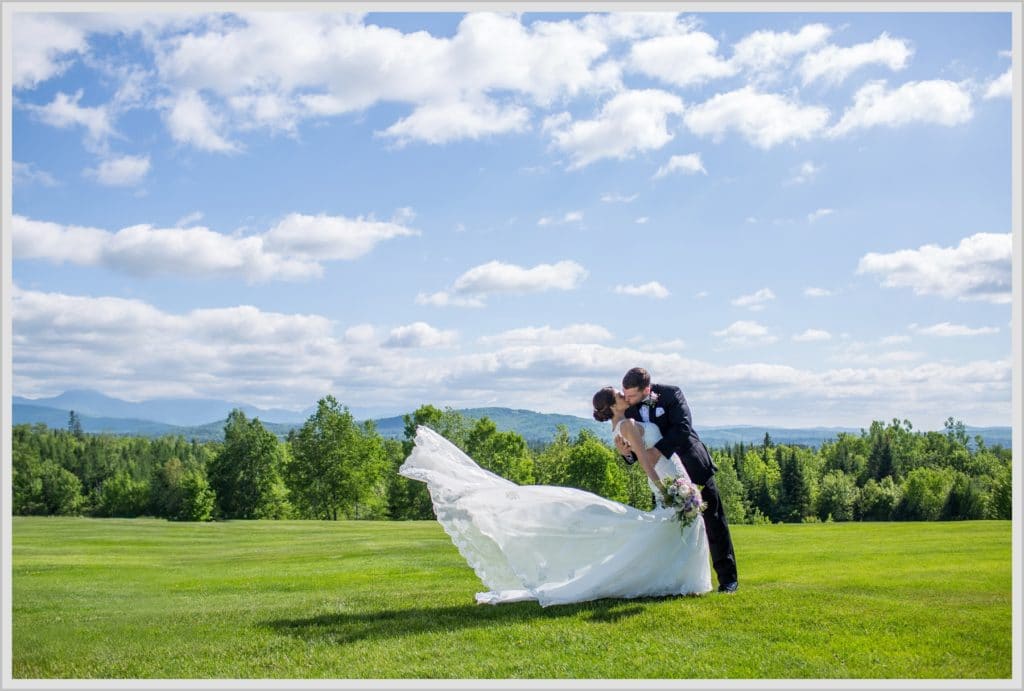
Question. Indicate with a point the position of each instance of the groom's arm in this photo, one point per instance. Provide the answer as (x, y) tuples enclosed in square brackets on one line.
[(680, 424)]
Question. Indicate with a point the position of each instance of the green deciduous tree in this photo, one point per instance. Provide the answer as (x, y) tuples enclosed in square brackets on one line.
[(503, 453), (924, 493), (123, 496), (837, 497), (592, 467), (245, 474), (336, 468)]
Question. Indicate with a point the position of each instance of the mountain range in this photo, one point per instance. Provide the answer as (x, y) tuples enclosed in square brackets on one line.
[(203, 420)]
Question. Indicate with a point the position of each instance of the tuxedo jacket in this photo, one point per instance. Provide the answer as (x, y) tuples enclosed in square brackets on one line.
[(672, 416)]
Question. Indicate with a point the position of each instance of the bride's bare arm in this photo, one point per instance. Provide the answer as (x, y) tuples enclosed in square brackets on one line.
[(633, 432)]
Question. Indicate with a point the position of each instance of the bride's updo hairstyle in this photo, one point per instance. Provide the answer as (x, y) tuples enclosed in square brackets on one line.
[(603, 402)]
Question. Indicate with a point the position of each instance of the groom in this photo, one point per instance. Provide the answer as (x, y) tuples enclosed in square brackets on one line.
[(666, 407)]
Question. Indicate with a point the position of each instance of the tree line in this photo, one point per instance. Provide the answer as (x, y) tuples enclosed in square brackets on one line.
[(333, 467)]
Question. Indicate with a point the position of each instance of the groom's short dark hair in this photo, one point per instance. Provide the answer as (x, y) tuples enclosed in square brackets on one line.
[(636, 378)]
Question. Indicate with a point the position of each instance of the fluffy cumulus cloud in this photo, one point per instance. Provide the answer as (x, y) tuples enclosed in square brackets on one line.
[(122, 171), (127, 347), (755, 301), (439, 123), (746, 333), (653, 289), (764, 119), (939, 102), (66, 111), (629, 123), (1001, 86), (327, 237), (292, 250), (979, 268), (500, 277), (681, 59), (686, 163), (833, 64), (472, 288), (764, 52), (419, 335)]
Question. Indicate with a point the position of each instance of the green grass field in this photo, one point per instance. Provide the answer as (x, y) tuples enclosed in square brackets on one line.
[(304, 599)]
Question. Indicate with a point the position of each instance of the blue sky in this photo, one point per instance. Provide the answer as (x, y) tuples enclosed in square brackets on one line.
[(799, 218)]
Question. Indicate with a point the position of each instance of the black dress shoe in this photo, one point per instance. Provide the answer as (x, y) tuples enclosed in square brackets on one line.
[(730, 587)]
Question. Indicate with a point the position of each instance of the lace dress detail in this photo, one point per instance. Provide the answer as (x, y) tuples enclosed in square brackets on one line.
[(552, 544)]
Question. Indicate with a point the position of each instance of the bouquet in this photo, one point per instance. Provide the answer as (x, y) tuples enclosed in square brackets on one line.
[(683, 496)]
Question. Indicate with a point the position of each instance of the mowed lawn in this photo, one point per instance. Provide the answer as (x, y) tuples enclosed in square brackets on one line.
[(140, 598)]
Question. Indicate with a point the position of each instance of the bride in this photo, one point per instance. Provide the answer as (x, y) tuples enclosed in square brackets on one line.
[(558, 545)]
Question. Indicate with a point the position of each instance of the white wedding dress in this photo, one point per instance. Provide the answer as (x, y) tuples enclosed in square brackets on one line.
[(558, 545)]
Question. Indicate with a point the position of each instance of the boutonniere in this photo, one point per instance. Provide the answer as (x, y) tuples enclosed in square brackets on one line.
[(651, 400)]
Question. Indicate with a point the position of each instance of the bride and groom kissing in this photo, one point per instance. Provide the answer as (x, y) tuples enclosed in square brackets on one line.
[(559, 545)]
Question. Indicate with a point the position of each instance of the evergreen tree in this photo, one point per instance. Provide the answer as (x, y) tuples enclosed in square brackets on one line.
[(795, 491), (75, 425)]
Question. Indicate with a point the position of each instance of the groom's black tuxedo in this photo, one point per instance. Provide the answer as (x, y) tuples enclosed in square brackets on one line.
[(671, 414)]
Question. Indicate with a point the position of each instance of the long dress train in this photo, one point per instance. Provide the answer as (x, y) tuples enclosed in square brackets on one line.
[(556, 545)]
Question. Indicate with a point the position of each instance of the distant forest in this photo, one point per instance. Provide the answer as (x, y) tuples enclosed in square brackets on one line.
[(332, 467)]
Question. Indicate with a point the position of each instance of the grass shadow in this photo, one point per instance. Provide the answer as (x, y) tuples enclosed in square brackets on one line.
[(344, 628)]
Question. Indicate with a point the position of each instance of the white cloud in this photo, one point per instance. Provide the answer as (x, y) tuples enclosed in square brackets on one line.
[(979, 268), (41, 48), (681, 59), (745, 333), (292, 250), (191, 121), (833, 64), (419, 335), (440, 123), (65, 111), (324, 237), (127, 348), (500, 277), (260, 76), (755, 301), (642, 220), (945, 329), (631, 122), (652, 289), (445, 299), (817, 292), (568, 217), (894, 339), (124, 171), (763, 52), (135, 350), (618, 198), (806, 173), (819, 214), (545, 335), (360, 333), (764, 119), (29, 173), (688, 163), (189, 219), (1001, 86), (812, 335), (937, 102)]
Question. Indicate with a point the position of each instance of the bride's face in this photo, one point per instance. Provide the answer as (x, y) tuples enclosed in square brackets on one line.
[(620, 403)]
